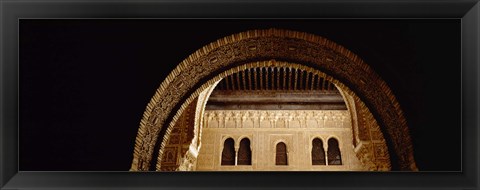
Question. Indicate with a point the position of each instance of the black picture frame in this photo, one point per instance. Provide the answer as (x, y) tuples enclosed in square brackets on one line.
[(12, 11)]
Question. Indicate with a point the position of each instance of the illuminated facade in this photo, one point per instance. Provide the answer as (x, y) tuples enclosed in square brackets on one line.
[(272, 115)]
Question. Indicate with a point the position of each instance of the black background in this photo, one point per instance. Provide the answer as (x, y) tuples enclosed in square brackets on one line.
[(84, 84)]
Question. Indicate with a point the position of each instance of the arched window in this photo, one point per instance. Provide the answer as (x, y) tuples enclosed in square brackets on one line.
[(281, 154), (228, 153), (334, 156), (318, 153), (244, 153)]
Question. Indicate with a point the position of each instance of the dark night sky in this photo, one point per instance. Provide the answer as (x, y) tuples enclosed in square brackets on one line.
[(84, 84)]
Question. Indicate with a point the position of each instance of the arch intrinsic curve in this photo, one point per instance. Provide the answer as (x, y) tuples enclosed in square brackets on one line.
[(195, 74)]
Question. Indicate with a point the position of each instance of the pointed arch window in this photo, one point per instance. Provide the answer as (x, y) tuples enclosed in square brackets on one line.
[(244, 153), (228, 152), (318, 153), (334, 155), (281, 154)]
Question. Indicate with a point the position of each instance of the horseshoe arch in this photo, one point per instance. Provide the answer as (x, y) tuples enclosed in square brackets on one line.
[(190, 78)]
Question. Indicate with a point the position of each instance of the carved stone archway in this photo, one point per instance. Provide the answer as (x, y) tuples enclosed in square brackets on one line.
[(369, 143), (195, 74)]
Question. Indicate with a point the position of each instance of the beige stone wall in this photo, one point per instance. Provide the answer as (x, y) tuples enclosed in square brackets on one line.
[(296, 128), (356, 130)]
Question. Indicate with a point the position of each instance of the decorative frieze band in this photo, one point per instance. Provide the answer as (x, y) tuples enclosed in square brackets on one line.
[(277, 119)]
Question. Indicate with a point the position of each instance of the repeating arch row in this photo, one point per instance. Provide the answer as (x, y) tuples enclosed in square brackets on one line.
[(332, 156), (230, 156)]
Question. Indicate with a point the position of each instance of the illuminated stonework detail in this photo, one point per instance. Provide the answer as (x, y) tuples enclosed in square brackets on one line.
[(277, 119), (180, 140), (266, 128), (189, 161), (264, 45), (367, 137)]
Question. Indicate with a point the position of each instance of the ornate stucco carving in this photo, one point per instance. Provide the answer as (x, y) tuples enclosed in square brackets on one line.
[(180, 139), (255, 48), (297, 137), (279, 118), (189, 159), (370, 145)]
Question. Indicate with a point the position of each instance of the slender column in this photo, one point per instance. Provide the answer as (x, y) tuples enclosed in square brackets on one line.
[(236, 156), (325, 149)]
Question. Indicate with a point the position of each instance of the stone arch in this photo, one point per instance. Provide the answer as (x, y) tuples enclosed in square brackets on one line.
[(189, 158), (312, 149), (195, 74), (335, 138), (245, 151), (364, 150), (233, 151), (282, 146), (338, 149), (249, 137)]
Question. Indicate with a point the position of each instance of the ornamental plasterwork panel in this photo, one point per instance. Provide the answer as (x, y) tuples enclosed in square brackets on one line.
[(180, 139), (263, 141), (277, 119)]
